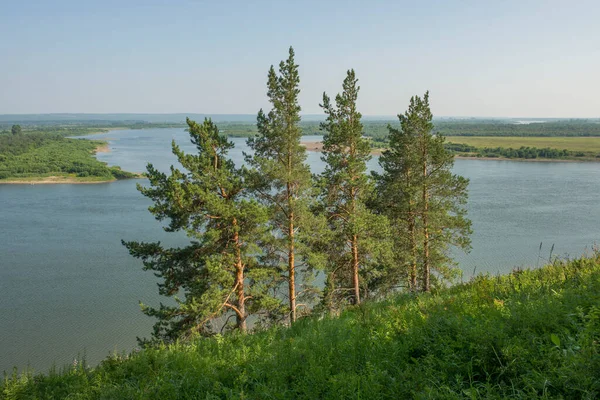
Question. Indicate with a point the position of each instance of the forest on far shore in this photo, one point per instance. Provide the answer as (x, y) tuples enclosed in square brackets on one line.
[(374, 128), (24, 156)]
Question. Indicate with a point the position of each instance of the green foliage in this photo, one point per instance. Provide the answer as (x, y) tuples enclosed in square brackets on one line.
[(378, 132), (66, 131), (356, 232), (570, 128), (82, 128), (36, 154), (524, 152), (375, 129), (217, 273), (530, 334), (281, 180), (423, 200), (16, 129)]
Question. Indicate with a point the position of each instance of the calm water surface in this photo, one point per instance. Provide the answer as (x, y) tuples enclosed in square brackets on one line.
[(69, 289)]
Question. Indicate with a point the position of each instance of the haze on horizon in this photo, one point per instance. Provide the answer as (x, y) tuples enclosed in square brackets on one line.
[(484, 59)]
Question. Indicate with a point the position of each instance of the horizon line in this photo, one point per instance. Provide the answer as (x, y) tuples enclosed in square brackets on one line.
[(302, 115)]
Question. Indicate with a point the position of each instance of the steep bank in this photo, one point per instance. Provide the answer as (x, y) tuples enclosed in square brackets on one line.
[(530, 334)]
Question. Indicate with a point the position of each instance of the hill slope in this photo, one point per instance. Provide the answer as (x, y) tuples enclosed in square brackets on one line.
[(531, 334)]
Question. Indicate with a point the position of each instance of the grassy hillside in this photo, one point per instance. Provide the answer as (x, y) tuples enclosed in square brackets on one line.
[(531, 334)]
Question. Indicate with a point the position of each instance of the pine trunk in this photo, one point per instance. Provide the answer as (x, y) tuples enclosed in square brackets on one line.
[(413, 240), (426, 266), (240, 313), (291, 250), (355, 280), (291, 269), (425, 199), (355, 269), (413, 261)]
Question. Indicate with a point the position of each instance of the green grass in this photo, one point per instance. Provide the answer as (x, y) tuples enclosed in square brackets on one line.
[(583, 144), (530, 334)]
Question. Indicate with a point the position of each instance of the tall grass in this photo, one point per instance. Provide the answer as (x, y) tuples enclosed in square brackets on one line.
[(530, 334)]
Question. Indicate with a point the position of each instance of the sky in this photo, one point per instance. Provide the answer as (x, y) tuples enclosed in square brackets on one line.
[(477, 58)]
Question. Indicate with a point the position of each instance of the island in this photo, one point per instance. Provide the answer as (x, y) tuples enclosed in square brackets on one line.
[(50, 158)]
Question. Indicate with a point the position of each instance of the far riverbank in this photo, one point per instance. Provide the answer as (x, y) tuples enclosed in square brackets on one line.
[(79, 152), (318, 147), (52, 180)]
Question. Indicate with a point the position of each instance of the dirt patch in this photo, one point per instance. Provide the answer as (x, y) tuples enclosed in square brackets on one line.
[(103, 148), (318, 146)]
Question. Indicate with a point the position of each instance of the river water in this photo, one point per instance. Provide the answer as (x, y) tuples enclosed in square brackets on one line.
[(69, 289)]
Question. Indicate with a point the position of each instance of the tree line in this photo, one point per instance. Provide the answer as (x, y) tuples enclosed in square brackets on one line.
[(573, 127), (271, 241), (526, 152), (38, 154), (81, 128), (378, 131)]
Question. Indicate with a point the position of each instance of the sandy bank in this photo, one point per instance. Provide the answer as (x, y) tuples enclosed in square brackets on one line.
[(46, 180), (103, 148), (318, 146)]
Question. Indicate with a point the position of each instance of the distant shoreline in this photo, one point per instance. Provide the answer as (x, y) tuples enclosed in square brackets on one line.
[(103, 148), (318, 147), (53, 180), (557, 160), (62, 179), (70, 179)]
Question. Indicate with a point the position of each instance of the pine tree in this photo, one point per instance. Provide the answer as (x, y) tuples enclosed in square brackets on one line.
[(424, 201), (217, 273), (396, 198), (347, 187), (283, 182)]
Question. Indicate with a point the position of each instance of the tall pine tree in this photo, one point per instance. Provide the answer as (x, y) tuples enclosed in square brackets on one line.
[(217, 273), (396, 198), (283, 182), (347, 188), (423, 199)]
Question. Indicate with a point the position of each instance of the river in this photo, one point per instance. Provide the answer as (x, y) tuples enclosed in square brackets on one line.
[(69, 289)]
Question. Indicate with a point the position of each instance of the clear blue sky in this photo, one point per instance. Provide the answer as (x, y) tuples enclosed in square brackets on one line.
[(477, 58)]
